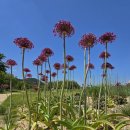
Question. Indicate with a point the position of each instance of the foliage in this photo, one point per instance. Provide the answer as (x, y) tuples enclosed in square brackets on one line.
[(2, 64)]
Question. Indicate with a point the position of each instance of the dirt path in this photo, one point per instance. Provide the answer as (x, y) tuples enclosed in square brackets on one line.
[(3, 97)]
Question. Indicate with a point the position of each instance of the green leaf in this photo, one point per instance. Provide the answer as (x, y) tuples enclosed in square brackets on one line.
[(81, 127), (121, 124), (99, 122)]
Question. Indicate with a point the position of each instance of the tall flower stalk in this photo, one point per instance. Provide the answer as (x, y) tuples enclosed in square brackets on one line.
[(57, 66), (63, 29), (48, 53), (90, 66), (105, 39), (72, 68), (69, 59), (102, 56), (53, 76), (38, 63), (87, 42), (10, 63), (24, 44)]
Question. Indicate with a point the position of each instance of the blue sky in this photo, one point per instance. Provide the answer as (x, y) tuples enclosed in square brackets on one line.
[(35, 20)]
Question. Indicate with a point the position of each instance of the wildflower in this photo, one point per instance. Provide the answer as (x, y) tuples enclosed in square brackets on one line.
[(53, 74), (26, 70), (11, 62), (90, 66), (108, 37), (88, 40), (57, 66), (69, 58), (47, 52), (103, 54), (63, 28), (23, 43)]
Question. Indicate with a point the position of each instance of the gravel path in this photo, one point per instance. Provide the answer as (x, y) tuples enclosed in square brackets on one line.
[(3, 97)]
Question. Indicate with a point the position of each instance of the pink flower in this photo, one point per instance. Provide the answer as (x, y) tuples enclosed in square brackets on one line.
[(102, 55), (29, 75), (88, 40), (63, 28), (42, 57), (44, 78), (47, 71), (72, 67), (90, 66), (53, 74), (57, 66), (69, 58), (47, 52), (107, 37), (11, 62), (108, 65), (26, 70), (37, 62), (23, 43)]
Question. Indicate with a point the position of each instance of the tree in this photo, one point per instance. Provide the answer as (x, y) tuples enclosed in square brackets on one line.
[(2, 64)]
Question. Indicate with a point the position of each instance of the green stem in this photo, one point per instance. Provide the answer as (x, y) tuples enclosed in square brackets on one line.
[(45, 85), (85, 85), (10, 107), (68, 78), (83, 90), (105, 79), (29, 125), (63, 86), (57, 83), (50, 87)]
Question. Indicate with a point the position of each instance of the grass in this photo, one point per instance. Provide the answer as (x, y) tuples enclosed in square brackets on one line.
[(17, 100)]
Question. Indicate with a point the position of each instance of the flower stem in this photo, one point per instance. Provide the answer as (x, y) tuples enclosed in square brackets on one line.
[(50, 87), (105, 79), (63, 86), (29, 125), (10, 107), (57, 83)]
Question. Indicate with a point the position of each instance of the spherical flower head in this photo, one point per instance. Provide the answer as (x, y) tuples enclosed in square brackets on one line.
[(57, 66), (64, 66), (90, 66), (44, 78), (108, 37), (47, 71), (37, 62), (26, 70), (29, 75), (103, 54), (69, 58), (88, 40), (63, 28), (53, 74), (11, 62), (108, 65), (23, 43), (42, 57), (72, 67), (47, 52)]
